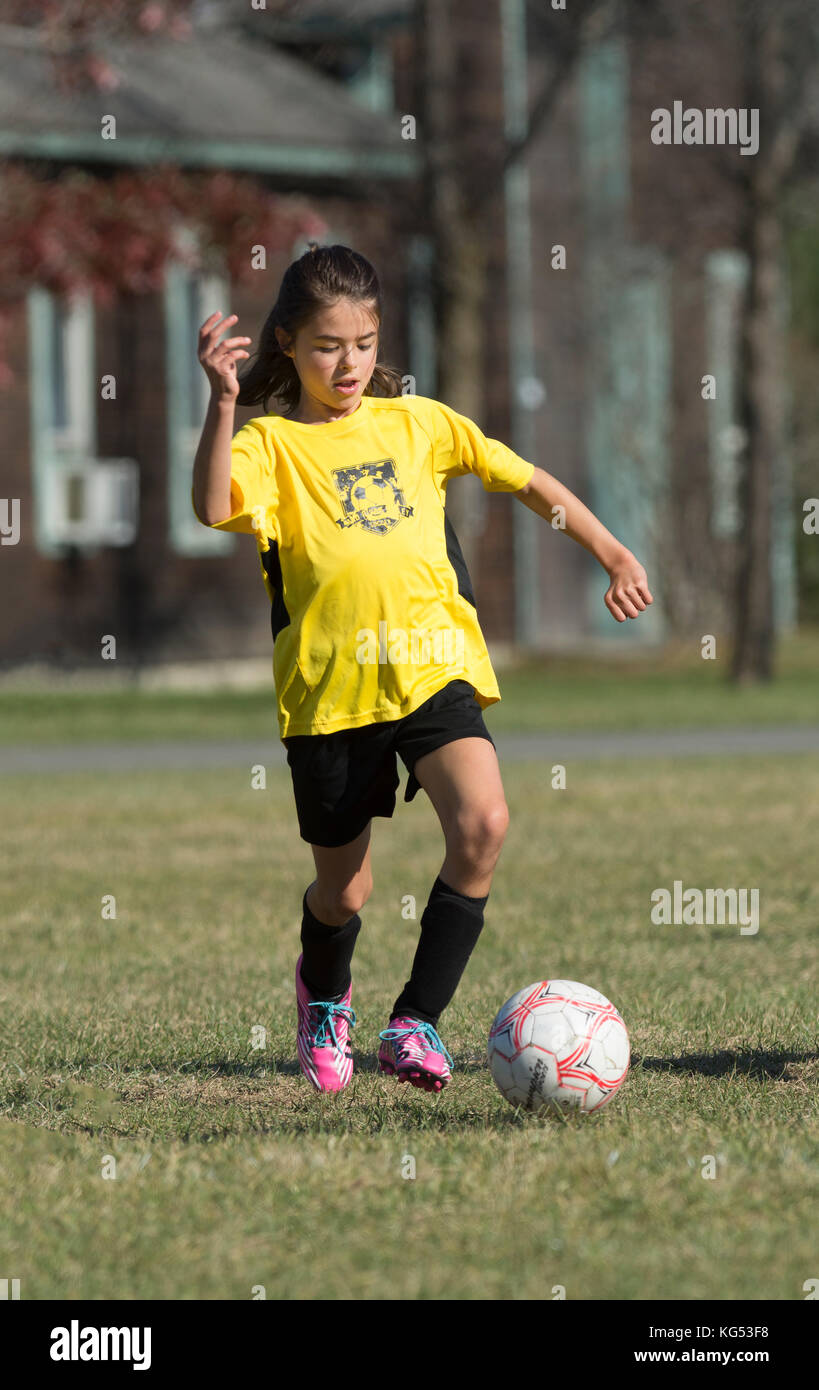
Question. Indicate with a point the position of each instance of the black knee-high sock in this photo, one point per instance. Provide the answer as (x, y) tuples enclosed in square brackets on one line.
[(450, 927), (327, 953)]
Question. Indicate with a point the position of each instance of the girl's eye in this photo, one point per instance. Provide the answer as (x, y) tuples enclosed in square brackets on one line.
[(363, 347)]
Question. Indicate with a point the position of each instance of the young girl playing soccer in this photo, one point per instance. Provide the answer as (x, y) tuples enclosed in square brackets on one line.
[(377, 649)]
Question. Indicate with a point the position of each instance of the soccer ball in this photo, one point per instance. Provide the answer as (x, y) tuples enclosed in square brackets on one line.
[(559, 1043)]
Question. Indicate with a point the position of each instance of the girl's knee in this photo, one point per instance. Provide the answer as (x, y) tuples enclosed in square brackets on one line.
[(340, 904), (497, 822), (481, 832), (355, 896)]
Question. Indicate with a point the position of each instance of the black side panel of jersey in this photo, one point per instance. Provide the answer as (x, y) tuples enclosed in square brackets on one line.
[(279, 616), (455, 556)]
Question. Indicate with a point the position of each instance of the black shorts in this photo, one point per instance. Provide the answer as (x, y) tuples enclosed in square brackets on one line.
[(342, 780)]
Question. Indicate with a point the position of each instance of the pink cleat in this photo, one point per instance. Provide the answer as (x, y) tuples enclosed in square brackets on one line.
[(412, 1051), (322, 1040)]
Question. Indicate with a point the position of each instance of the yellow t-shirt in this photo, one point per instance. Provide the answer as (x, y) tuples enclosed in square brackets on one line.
[(367, 583)]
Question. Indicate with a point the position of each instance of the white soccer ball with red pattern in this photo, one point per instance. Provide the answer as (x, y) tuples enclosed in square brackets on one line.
[(559, 1043)]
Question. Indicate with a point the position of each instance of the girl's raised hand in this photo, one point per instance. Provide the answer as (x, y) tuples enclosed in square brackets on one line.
[(219, 359)]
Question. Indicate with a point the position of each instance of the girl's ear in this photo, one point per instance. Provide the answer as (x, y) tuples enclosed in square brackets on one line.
[(284, 340)]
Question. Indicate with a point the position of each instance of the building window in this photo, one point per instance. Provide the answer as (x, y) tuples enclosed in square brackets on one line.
[(726, 280), (80, 501), (190, 297)]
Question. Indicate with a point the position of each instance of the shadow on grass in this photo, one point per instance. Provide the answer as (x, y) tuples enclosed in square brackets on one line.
[(289, 1066), (313, 1115), (757, 1065)]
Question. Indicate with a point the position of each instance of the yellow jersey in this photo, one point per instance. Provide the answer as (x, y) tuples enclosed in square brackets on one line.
[(372, 608)]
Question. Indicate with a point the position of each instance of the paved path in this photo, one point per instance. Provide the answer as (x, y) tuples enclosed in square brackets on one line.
[(553, 747)]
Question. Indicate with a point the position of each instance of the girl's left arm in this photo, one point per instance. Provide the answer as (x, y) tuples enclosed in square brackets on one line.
[(628, 593)]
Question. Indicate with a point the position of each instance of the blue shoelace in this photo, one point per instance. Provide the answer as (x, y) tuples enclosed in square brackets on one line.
[(427, 1032), (325, 1022)]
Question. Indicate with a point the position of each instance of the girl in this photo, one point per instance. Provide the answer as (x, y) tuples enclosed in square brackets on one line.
[(377, 649)]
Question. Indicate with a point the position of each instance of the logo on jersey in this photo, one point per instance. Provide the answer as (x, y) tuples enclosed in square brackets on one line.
[(370, 496)]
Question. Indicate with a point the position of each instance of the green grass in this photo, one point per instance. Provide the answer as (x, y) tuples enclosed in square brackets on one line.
[(132, 1038), (675, 689)]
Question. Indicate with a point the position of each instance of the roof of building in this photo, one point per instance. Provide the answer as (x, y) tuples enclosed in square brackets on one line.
[(340, 14), (216, 98)]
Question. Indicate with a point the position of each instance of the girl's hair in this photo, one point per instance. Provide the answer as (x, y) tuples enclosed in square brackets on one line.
[(319, 278)]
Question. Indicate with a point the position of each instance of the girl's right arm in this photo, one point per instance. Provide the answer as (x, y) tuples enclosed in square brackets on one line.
[(211, 468)]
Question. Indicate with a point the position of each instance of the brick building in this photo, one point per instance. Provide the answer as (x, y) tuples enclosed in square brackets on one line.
[(174, 590), (592, 371)]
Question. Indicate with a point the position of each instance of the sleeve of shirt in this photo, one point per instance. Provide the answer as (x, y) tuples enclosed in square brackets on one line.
[(253, 491), (461, 448)]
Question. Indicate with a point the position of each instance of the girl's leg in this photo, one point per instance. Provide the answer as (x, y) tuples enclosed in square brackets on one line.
[(463, 782), (330, 924)]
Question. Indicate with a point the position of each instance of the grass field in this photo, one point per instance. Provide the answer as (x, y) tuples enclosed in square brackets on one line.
[(132, 1038), (672, 690)]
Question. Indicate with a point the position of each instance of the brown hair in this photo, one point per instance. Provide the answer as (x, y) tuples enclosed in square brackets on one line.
[(319, 278)]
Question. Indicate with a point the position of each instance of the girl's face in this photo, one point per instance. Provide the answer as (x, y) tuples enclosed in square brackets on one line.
[(334, 354)]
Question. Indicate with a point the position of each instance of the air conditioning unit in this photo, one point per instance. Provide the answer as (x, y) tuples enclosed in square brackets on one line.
[(91, 502)]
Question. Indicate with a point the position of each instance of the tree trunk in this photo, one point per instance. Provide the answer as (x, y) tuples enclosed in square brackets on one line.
[(763, 347), (461, 257), (754, 624)]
